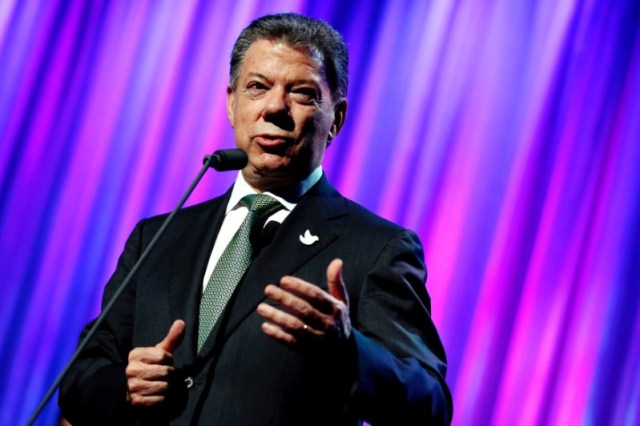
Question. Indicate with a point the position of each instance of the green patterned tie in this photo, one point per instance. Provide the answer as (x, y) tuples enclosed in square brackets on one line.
[(233, 263)]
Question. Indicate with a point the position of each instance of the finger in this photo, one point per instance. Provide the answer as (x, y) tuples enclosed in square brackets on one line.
[(289, 300), (147, 388), (335, 282), (145, 401), (278, 333), (300, 307), (173, 339), (148, 371), (308, 292), (153, 355), (286, 322)]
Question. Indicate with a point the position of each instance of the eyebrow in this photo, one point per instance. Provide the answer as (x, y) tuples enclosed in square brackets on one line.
[(256, 74), (299, 81)]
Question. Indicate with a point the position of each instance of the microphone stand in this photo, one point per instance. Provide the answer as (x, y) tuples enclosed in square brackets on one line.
[(231, 159)]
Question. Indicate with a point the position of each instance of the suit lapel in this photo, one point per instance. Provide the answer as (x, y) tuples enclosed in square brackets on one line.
[(321, 211), (188, 269)]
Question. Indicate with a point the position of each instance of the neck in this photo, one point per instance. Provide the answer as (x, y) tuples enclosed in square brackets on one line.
[(291, 189)]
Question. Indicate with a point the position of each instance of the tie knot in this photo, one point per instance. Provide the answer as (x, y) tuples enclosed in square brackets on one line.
[(261, 204)]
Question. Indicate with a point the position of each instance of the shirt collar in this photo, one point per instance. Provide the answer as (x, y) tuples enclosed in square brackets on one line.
[(293, 194)]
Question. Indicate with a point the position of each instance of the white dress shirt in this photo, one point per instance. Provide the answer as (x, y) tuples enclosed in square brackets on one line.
[(236, 212)]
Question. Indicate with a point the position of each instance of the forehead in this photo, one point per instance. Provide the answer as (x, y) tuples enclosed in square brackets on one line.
[(276, 58)]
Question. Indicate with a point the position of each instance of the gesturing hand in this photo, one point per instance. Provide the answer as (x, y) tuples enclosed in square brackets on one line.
[(149, 368), (309, 313)]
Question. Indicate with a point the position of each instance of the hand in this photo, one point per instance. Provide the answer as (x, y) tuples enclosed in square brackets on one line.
[(149, 368), (309, 313)]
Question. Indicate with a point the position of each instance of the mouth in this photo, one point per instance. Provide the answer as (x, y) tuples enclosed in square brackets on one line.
[(273, 143), (272, 139)]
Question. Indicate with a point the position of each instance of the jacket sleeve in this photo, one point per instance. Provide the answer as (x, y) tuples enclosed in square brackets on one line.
[(94, 389), (401, 363)]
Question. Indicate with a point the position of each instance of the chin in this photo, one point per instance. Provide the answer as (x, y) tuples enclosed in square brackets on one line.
[(269, 162)]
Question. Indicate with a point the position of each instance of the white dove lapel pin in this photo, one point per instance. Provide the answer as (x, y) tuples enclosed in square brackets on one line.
[(307, 239)]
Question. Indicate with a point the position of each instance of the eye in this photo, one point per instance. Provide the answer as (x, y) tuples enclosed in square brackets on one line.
[(255, 88), (305, 95)]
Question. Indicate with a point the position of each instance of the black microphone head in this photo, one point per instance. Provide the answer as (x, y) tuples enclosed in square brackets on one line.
[(228, 159)]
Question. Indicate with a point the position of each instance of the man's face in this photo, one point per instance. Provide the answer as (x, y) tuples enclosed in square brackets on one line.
[(282, 114)]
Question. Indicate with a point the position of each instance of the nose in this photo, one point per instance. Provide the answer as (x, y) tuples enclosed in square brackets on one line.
[(276, 109), (276, 103)]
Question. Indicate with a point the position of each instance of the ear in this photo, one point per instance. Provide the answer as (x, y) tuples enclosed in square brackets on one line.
[(231, 104), (339, 114)]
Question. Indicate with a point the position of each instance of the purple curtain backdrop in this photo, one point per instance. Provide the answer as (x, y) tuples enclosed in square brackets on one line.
[(506, 133)]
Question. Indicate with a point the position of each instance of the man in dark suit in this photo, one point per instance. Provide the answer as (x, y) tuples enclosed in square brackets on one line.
[(329, 324)]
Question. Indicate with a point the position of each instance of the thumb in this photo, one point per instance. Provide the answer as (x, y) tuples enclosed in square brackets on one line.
[(335, 282), (173, 339)]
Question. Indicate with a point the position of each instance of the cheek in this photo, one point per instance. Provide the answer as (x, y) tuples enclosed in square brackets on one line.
[(315, 124), (245, 112)]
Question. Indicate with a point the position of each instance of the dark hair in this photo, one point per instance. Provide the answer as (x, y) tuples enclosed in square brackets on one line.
[(299, 32)]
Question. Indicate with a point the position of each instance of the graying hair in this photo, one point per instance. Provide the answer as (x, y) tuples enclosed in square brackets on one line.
[(299, 32)]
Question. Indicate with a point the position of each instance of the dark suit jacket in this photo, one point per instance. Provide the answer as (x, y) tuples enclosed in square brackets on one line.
[(391, 371)]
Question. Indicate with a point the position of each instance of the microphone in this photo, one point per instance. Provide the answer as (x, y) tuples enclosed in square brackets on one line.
[(227, 159), (222, 160)]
